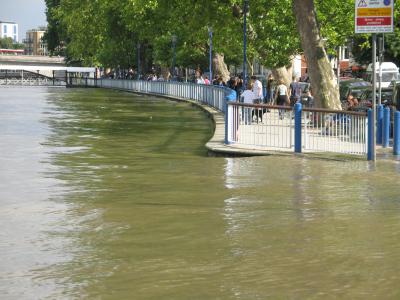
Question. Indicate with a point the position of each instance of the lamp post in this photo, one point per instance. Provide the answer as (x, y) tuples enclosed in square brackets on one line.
[(245, 9), (210, 34), (174, 39), (138, 61), (381, 48)]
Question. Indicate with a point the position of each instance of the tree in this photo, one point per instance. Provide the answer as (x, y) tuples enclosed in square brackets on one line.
[(322, 78), (8, 43), (55, 35), (108, 33)]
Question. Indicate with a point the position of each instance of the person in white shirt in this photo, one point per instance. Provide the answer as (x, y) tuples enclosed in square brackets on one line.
[(247, 97), (200, 80), (282, 97), (257, 89)]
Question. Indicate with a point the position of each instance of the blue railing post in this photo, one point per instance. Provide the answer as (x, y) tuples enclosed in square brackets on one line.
[(226, 122), (230, 96), (386, 127), (396, 133), (379, 120), (297, 127), (371, 128)]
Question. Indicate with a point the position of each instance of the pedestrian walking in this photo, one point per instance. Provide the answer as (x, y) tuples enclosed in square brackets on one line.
[(282, 97)]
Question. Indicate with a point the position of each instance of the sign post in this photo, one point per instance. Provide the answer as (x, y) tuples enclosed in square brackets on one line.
[(374, 16), (374, 96)]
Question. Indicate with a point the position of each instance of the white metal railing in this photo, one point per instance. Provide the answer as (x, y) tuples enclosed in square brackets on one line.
[(273, 127), (263, 127), (260, 126), (213, 96), (334, 131)]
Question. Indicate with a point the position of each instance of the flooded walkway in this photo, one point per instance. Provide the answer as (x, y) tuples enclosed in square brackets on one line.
[(106, 194)]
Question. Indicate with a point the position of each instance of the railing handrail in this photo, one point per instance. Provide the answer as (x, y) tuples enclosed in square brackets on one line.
[(333, 111), (171, 82), (213, 96), (307, 109)]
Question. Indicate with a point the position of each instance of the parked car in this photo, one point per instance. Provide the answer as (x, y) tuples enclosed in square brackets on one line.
[(389, 72), (395, 85), (365, 99), (354, 87)]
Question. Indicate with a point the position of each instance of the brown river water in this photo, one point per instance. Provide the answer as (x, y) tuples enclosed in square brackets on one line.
[(110, 195)]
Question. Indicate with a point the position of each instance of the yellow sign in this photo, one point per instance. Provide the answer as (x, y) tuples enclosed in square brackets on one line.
[(374, 12)]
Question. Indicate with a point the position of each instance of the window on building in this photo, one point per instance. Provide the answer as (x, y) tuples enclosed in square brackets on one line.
[(346, 53), (15, 29), (5, 29)]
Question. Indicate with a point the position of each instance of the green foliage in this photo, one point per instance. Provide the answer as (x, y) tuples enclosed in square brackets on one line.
[(276, 39), (108, 32), (55, 34), (8, 43)]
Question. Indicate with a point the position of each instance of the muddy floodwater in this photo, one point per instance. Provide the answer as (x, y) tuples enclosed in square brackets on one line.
[(111, 195)]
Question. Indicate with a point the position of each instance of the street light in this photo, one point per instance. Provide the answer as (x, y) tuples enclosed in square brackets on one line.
[(138, 61), (381, 48), (245, 9), (174, 39), (210, 34)]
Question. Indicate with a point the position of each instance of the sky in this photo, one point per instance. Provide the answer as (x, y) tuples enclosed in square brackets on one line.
[(29, 14)]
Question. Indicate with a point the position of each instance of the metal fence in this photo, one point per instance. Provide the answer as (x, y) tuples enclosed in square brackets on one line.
[(213, 96), (274, 128), (263, 127), (333, 131), (260, 126)]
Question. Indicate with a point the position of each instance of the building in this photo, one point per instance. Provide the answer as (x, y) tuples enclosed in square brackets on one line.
[(9, 29), (34, 42)]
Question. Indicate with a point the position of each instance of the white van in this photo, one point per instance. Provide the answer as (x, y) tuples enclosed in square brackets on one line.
[(389, 70)]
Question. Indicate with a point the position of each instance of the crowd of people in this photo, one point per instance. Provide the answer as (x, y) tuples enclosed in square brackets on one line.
[(276, 92)]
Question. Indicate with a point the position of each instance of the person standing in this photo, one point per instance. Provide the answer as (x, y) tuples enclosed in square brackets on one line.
[(200, 79), (295, 91), (282, 97), (257, 89), (305, 77), (247, 97), (221, 81), (238, 86), (270, 89)]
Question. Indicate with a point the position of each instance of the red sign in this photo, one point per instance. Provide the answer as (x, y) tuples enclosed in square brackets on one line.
[(374, 21)]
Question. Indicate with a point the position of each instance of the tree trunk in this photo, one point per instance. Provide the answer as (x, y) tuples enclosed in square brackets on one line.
[(283, 74), (220, 67), (166, 74), (323, 81)]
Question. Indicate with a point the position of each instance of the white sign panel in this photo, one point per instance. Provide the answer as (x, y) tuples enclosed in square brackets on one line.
[(374, 16)]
